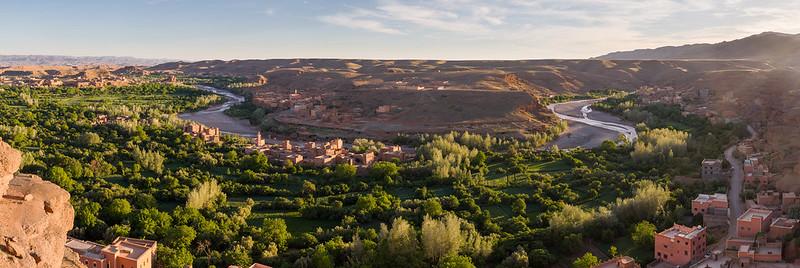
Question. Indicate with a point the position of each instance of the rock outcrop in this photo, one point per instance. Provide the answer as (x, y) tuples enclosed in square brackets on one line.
[(35, 216)]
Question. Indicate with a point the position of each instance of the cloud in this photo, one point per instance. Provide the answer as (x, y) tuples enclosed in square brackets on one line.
[(572, 27), (356, 22)]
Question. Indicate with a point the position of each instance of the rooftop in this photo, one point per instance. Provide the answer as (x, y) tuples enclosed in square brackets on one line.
[(784, 222), (710, 197), (129, 247), (754, 212), (85, 248), (678, 230), (712, 161)]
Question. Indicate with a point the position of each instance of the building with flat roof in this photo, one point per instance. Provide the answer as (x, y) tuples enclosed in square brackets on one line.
[(124, 252), (753, 221), (88, 251), (711, 169), (769, 198), (781, 227), (705, 201), (680, 245), (767, 252), (619, 262)]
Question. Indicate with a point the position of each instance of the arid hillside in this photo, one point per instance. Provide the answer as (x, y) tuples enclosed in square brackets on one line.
[(411, 87), (778, 49), (535, 76), (436, 96)]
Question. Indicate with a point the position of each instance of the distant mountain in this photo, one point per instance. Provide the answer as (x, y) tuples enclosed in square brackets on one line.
[(776, 48), (27, 60)]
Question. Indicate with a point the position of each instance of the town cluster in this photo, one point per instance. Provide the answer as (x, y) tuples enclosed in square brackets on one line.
[(23, 78), (320, 107), (316, 154), (329, 153)]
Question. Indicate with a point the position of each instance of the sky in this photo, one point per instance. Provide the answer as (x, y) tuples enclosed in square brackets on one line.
[(378, 29)]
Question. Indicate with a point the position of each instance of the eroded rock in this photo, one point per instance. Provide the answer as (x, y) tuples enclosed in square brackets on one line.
[(35, 216)]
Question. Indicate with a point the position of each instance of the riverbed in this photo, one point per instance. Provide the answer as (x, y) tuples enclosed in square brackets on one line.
[(215, 116), (588, 128)]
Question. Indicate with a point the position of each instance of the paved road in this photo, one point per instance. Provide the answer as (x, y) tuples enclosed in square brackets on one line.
[(735, 201), (588, 128), (735, 190)]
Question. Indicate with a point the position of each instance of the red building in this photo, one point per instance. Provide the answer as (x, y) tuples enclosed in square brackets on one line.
[(704, 202), (122, 253), (680, 245), (753, 221)]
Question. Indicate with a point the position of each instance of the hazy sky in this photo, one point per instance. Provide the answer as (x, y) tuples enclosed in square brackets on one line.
[(440, 29)]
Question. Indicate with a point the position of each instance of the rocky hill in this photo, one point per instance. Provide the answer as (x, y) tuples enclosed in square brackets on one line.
[(53, 60), (35, 216), (779, 49)]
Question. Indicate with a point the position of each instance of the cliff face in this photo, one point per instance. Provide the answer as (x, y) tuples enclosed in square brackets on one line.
[(35, 216)]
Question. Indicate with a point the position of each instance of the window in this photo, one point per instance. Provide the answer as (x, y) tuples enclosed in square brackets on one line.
[(685, 252)]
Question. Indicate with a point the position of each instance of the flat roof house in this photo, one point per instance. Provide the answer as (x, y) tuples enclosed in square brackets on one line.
[(680, 245)]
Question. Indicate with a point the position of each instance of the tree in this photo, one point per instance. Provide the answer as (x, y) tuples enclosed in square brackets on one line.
[(432, 207), (173, 258), (58, 176), (274, 230), (204, 195), (321, 258), (150, 223), (441, 238), (456, 261), (309, 188), (643, 234), (517, 259), (237, 255), (117, 230), (344, 171), (613, 251), (586, 261), (382, 169), (118, 210), (180, 236), (89, 138), (519, 206), (399, 246)]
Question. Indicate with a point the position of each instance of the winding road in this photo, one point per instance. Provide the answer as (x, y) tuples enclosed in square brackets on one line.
[(592, 128)]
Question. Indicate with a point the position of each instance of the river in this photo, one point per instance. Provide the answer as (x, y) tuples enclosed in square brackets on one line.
[(215, 116), (588, 128)]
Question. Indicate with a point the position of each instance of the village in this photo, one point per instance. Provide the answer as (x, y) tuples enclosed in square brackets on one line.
[(762, 236), (311, 153)]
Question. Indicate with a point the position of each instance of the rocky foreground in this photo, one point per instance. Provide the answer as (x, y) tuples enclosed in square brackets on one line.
[(35, 216)]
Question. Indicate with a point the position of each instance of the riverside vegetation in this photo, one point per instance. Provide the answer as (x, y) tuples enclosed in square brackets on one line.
[(468, 201)]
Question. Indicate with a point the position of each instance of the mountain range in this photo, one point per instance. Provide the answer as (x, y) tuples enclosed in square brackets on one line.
[(780, 49), (58, 60)]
